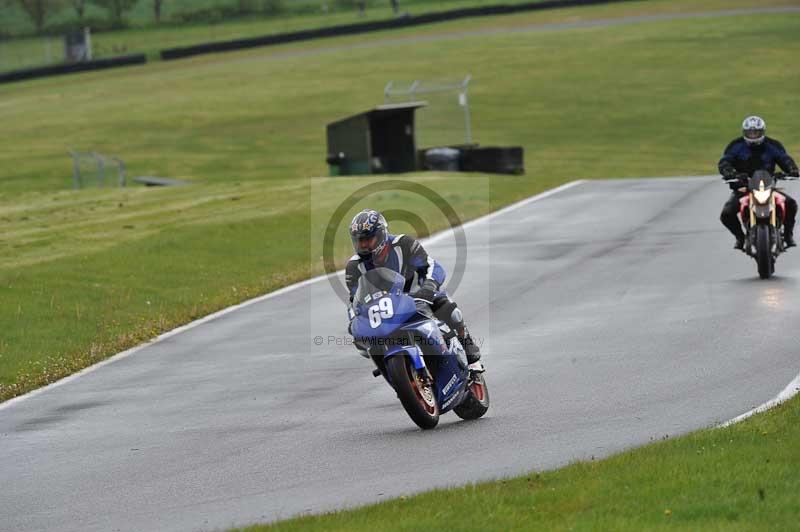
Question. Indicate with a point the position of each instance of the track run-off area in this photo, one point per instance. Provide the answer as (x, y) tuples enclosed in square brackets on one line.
[(613, 313)]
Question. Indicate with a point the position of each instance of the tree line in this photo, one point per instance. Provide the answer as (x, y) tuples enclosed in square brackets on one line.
[(40, 10)]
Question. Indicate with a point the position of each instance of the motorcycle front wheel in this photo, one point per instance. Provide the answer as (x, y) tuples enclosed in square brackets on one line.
[(764, 258), (417, 397)]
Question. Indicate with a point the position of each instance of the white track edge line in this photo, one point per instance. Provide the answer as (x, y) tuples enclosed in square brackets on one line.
[(264, 297), (792, 389)]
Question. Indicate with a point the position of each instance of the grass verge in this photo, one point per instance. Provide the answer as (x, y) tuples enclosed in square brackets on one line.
[(89, 273), (741, 477)]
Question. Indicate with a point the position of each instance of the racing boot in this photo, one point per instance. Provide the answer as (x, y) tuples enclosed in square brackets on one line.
[(740, 243), (473, 351), (788, 238)]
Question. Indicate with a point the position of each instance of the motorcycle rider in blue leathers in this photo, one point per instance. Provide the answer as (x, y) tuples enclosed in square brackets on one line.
[(376, 248), (743, 156)]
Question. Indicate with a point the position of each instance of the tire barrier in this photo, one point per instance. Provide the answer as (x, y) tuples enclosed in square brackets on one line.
[(69, 68)]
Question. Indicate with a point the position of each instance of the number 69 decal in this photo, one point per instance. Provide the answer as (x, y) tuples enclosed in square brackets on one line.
[(383, 310)]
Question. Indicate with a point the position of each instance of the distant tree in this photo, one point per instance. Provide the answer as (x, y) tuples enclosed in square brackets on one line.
[(38, 10), (116, 8), (246, 7), (346, 4), (79, 6), (272, 7), (157, 4)]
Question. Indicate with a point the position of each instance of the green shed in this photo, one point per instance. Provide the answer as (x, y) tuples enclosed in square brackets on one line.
[(379, 141)]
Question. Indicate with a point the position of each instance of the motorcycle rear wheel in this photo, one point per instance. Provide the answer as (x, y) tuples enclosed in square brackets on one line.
[(764, 258), (418, 398), (477, 401)]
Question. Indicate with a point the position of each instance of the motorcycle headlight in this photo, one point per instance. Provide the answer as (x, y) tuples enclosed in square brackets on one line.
[(762, 196)]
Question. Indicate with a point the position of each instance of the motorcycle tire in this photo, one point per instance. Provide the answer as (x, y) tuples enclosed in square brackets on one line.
[(764, 258), (418, 399), (476, 403)]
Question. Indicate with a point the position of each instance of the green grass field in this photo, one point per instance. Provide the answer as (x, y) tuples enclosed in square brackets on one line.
[(740, 478), (88, 273)]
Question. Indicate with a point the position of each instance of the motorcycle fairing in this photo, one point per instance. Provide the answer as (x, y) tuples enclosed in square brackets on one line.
[(450, 381), (744, 203), (403, 308), (780, 204), (412, 351)]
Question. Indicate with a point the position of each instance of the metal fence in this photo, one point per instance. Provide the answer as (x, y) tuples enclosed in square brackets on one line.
[(446, 119), (92, 169), (20, 54)]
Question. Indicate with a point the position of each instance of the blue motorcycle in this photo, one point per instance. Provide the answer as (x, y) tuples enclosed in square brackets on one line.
[(418, 355)]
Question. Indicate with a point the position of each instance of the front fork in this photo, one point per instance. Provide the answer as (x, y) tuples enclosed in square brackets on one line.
[(775, 231)]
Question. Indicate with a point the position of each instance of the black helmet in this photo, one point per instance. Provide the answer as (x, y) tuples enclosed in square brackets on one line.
[(369, 233)]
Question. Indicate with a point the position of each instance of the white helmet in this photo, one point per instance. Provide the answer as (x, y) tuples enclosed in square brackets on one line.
[(753, 129)]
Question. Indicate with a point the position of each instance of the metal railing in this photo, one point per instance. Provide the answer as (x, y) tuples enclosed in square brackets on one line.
[(95, 169), (421, 90)]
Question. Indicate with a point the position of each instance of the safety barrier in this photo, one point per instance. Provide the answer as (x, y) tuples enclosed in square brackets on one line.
[(69, 68)]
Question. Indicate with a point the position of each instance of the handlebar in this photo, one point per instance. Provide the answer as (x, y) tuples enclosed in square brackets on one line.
[(744, 177)]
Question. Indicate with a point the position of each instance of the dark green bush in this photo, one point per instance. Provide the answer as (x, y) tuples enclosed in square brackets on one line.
[(273, 7), (96, 24), (211, 15), (218, 14)]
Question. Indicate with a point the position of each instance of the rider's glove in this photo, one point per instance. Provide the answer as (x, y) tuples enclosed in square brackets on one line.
[(741, 180), (727, 171), (427, 291)]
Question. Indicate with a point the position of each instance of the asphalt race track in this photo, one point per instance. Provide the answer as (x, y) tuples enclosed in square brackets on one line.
[(614, 313)]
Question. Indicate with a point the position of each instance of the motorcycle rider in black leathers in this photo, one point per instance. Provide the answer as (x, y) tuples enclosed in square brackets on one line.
[(743, 156), (376, 248)]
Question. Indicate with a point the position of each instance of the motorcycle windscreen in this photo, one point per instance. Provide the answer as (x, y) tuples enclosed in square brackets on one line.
[(377, 281), (759, 177)]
